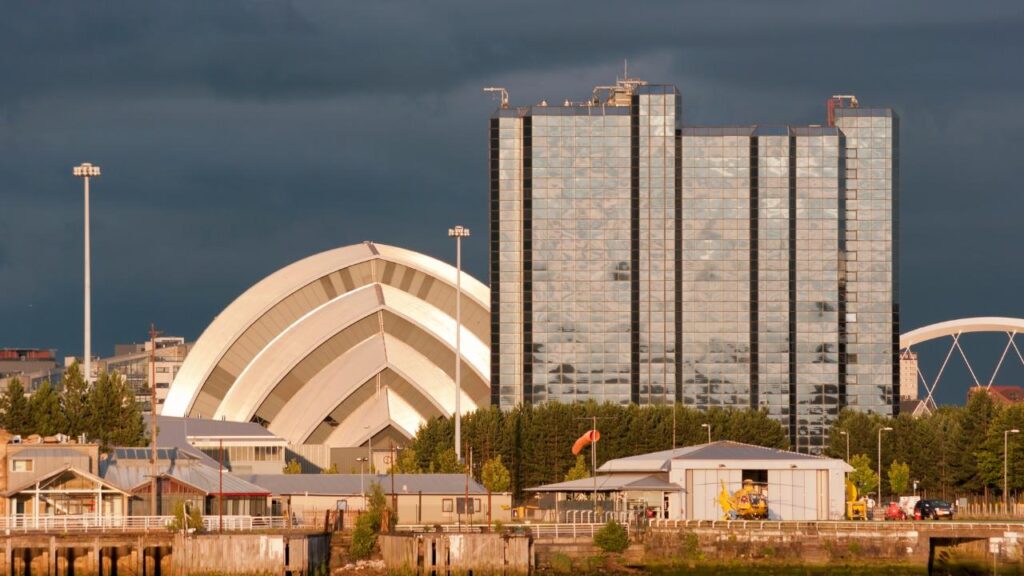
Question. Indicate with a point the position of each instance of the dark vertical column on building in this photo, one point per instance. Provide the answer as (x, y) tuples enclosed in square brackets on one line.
[(895, 235), (843, 335), (754, 291), (527, 260), (495, 266), (678, 279), (792, 292), (634, 250)]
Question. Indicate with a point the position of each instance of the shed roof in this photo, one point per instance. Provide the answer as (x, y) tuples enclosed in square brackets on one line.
[(611, 483), (133, 473), (352, 484), (728, 450)]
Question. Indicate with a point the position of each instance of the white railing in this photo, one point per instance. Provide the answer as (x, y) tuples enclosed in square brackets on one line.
[(92, 523), (539, 531)]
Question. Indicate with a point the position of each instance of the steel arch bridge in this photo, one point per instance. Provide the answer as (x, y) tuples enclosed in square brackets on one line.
[(955, 329)]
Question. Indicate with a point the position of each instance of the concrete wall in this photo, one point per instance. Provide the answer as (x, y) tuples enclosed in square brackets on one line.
[(460, 553)]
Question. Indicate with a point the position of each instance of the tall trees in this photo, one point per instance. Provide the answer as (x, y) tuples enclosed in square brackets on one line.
[(113, 418), (16, 417), (534, 440), (494, 476), (74, 401), (863, 477), (105, 412), (44, 406)]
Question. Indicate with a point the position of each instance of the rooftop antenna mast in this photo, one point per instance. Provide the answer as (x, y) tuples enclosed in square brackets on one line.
[(500, 90), (625, 69)]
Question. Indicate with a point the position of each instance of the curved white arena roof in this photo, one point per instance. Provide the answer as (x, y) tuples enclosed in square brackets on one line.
[(343, 346)]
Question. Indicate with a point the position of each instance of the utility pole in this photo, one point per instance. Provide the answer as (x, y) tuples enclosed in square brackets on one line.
[(154, 483), (394, 497), (220, 488), (595, 436)]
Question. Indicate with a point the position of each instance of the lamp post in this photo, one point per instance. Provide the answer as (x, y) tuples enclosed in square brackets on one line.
[(880, 430), (1006, 437), (843, 432), (86, 171), (458, 233), (708, 426), (362, 489)]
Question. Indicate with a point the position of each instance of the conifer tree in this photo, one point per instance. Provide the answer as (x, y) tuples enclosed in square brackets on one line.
[(74, 401), (44, 407), (14, 409)]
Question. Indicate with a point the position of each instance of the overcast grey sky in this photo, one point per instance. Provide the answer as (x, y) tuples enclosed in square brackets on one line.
[(240, 135)]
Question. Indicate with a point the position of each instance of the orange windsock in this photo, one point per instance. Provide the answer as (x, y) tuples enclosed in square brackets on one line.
[(585, 440)]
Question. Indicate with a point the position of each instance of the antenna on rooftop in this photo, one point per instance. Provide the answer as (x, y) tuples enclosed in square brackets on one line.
[(500, 90), (625, 68)]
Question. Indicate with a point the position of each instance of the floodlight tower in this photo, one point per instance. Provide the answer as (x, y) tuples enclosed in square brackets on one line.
[(86, 171)]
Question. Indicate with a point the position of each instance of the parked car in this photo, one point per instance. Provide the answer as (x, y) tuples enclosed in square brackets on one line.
[(933, 510), (894, 512)]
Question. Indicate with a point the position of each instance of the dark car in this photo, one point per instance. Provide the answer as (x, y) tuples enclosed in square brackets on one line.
[(933, 510)]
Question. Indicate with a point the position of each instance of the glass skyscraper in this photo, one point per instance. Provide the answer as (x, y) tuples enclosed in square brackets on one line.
[(636, 259)]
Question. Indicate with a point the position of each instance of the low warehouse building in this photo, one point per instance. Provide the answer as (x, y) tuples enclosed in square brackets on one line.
[(686, 484), (422, 498)]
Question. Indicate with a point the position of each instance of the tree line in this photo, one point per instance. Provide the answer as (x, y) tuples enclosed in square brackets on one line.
[(955, 451), (534, 441), (106, 411)]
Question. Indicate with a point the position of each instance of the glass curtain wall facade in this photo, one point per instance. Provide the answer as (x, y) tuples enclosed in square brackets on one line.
[(583, 236), (637, 260)]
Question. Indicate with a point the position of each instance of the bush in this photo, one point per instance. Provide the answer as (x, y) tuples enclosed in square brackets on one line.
[(184, 521), (613, 537), (364, 538)]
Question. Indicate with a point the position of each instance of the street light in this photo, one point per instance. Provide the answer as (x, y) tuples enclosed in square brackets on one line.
[(86, 171), (880, 430), (362, 490), (843, 432), (708, 426), (1006, 436), (458, 233)]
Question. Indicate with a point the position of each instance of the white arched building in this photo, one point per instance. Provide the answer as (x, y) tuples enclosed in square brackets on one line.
[(347, 345)]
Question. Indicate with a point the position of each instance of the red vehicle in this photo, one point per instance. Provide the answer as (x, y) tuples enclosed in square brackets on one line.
[(894, 512)]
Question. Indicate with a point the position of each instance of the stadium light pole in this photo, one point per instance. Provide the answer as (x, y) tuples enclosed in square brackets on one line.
[(458, 232), (880, 430), (86, 171), (1006, 437)]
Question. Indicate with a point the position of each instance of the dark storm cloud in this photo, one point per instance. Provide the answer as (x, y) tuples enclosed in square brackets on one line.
[(237, 136)]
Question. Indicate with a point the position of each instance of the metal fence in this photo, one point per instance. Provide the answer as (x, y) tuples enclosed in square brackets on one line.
[(93, 523)]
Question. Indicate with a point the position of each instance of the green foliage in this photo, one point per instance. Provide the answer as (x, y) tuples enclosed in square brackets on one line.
[(612, 537), (74, 401), (15, 414), (579, 470), (447, 463), (44, 407), (368, 526), (332, 469), (534, 441), (408, 462), (364, 539), (989, 455), (863, 477), (899, 478), (494, 476), (190, 520), (292, 467), (114, 417)]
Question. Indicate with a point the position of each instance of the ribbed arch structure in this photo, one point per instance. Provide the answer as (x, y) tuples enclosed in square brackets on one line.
[(341, 347)]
